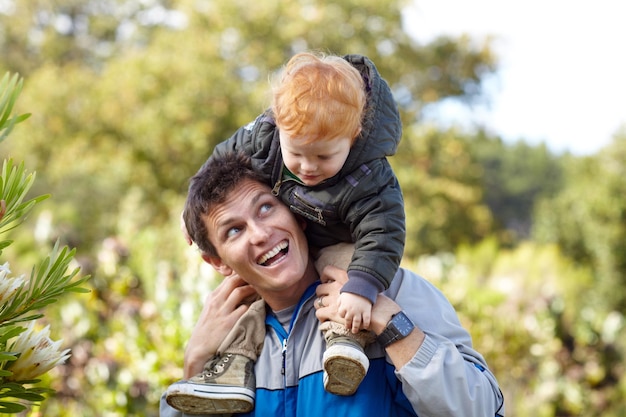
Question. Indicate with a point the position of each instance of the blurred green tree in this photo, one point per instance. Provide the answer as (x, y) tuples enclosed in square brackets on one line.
[(588, 220), (514, 178), (87, 32), (443, 191), (528, 309)]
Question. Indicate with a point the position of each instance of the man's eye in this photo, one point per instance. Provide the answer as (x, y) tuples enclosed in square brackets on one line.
[(232, 231), (265, 208)]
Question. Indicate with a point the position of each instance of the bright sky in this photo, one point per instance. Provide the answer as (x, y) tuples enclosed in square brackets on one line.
[(562, 77)]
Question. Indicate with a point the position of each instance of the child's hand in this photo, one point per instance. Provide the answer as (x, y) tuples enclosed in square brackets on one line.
[(356, 310)]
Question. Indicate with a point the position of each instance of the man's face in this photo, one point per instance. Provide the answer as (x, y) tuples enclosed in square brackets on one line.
[(257, 237), (314, 162)]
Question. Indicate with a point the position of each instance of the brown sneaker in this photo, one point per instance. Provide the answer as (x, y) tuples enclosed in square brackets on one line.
[(227, 385), (345, 365)]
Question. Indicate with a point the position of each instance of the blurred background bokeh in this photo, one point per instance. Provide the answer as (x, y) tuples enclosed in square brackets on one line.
[(128, 98)]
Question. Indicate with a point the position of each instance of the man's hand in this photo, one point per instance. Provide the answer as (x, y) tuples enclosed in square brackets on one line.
[(333, 279), (328, 291), (222, 308)]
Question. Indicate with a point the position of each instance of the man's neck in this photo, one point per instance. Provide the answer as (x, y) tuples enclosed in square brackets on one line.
[(290, 297)]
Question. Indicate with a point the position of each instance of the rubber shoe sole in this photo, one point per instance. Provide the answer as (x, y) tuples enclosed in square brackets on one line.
[(209, 399), (344, 369)]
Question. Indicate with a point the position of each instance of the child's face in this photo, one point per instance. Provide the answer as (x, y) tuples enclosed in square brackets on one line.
[(316, 161)]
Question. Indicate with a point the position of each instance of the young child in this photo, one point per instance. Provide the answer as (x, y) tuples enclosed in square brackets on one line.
[(322, 147)]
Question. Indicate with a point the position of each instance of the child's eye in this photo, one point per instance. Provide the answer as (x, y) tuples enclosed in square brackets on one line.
[(323, 157)]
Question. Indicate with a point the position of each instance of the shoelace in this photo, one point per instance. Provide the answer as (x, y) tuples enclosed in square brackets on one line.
[(216, 368)]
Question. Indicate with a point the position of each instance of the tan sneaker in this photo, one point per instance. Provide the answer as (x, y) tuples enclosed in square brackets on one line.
[(227, 385), (345, 365)]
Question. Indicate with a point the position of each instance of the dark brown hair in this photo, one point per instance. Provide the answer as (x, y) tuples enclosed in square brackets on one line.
[(210, 186)]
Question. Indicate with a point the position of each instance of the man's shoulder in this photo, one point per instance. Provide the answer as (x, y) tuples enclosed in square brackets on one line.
[(407, 281)]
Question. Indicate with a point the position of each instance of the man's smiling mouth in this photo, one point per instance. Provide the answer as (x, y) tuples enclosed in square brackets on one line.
[(274, 254)]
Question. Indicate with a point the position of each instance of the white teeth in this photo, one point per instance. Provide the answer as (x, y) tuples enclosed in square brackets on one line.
[(282, 245)]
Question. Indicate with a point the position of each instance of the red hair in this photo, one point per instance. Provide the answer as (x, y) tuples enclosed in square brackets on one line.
[(319, 98)]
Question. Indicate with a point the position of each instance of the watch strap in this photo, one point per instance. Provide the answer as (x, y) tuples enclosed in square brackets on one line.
[(398, 327)]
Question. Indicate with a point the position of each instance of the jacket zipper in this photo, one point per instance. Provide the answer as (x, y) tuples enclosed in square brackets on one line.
[(282, 371), (276, 188)]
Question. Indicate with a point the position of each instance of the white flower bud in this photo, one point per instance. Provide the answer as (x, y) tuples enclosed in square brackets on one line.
[(8, 285), (38, 354)]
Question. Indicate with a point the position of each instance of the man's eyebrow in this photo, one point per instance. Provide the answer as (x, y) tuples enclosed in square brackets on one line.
[(256, 198), (229, 220)]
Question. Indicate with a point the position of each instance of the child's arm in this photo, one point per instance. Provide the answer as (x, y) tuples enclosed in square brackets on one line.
[(258, 140), (376, 217), (356, 310)]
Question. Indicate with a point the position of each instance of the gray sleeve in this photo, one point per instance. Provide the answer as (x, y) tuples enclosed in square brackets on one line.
[(446, 377)]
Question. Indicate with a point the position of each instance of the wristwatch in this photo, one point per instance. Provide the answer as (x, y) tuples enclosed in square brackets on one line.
[(399, 327)]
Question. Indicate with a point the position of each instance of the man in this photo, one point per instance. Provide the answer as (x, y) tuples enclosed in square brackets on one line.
[(423, 363)]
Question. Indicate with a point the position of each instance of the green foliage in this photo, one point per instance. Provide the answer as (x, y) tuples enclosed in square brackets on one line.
[(442, 187), (13, 390), (588, 219), (47, 284), (25, 355), (13, 189), (514, 178), (65, 32), (555, 354), (10, 89)]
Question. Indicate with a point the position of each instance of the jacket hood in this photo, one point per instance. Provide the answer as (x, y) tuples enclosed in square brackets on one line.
[(381, 127)]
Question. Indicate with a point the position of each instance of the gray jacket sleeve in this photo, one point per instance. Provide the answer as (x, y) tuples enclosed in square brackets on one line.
[(446, 377)]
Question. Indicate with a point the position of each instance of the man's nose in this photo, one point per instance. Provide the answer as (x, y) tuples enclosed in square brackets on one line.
[(258, 232)]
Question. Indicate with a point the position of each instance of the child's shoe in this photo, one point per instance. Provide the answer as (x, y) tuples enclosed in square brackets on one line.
[(345, 365), (227, 385)]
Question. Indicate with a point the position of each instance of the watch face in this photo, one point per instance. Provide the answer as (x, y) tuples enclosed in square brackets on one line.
[(399, 327), (402, 323)]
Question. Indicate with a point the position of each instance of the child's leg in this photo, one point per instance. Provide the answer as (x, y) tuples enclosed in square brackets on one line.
[(339, 255), (247, 336), (333, 330), (345, 362), (227, 384)]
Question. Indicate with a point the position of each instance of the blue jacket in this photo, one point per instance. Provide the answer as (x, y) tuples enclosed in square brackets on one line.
[(446, 377)]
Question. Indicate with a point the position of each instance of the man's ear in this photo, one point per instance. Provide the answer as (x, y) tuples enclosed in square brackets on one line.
[(217, 264)]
